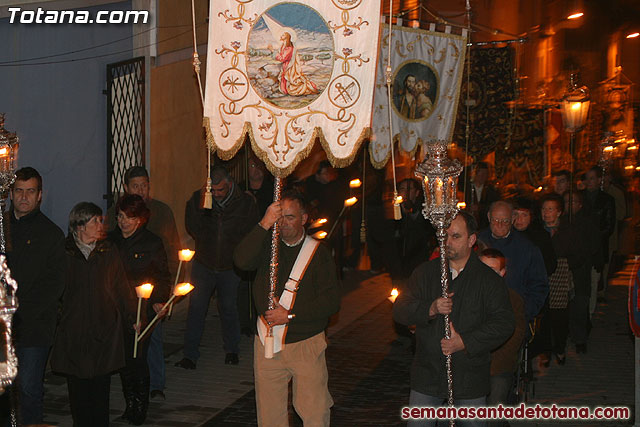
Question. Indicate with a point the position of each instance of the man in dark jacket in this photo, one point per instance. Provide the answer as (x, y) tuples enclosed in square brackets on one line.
[(35, 247), (481, 319), (216, 232)]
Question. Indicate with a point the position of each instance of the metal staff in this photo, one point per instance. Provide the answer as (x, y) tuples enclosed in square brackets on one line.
[(273, 270), (439, 177)]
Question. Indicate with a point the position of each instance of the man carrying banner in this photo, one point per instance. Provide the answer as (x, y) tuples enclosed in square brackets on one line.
[(307, 295)]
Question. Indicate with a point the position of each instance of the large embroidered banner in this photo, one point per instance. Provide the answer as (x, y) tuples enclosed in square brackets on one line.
[(427, 70), (491, 86), (286, 73)]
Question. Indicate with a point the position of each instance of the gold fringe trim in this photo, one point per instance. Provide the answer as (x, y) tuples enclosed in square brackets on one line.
[(247, 130), (343, 162)]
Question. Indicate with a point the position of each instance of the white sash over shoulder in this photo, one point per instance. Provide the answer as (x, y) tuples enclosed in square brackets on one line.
[(288, 297)]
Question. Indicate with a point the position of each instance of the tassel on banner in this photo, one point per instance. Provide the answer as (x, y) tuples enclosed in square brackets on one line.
[(208, 196)]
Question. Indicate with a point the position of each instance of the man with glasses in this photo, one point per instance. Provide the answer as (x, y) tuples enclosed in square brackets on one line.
[(527, 273)]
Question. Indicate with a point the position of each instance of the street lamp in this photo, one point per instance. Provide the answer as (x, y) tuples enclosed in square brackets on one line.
[(575, 109), (439, 176)]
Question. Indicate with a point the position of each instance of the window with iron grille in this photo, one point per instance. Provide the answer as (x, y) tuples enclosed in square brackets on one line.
[(125, 122)]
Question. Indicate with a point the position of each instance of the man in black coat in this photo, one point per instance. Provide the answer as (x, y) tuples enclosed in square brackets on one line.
[(217, 232), (481, 320), (35, 249)]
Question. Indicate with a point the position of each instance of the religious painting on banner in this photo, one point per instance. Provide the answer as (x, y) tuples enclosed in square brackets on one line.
[(427, 71), (287, 73), (491, 86)]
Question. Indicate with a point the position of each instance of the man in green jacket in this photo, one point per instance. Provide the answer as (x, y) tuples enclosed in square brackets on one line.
[(481, 319), (302, 356)]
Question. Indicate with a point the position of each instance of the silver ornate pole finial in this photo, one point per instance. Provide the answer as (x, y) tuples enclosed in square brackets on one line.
[(439, 176)]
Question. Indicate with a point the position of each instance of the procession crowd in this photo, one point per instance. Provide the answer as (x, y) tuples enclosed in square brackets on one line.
[(526, 269)]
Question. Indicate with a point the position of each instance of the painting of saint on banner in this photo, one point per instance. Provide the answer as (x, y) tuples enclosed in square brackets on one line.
[(290, 55), (415, 88)]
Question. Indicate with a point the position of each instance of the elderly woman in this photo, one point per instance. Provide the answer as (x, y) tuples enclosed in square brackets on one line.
[(145, 261), (561, 288), (96, 307)]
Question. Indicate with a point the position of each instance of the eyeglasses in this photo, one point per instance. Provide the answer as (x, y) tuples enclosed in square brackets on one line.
[(501, 221)]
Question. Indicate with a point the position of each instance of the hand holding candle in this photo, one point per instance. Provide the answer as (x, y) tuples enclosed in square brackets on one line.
[(143, 291), (181, 290)]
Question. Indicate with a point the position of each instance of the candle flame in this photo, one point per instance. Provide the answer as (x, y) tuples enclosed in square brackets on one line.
[(575, 106), (4, 151), (350, 202), (186, 255), (575, 15), (629, 167), (394, 295), (318, 222), (399, 200), (182, 289), (355, 183), (144, 290), (461, 205), (633, 35), (608, 148), (633, 147), (320, 235)]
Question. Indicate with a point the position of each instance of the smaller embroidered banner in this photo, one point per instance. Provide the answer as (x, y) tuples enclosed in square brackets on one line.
[(427, 71)]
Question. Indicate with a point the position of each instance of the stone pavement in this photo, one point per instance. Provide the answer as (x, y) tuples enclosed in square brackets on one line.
[(369, 368), (604, 376)]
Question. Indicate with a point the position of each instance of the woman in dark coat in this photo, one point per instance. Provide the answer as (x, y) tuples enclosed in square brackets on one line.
[(96, 307), (145, 261), (566, 243)]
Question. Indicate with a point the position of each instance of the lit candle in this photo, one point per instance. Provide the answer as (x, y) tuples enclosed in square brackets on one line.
[(320, 235), (143, 291), (350, 202), (355, 183), (439, 194), (394, 295), (184, 255), (318, 222), (182, 289)]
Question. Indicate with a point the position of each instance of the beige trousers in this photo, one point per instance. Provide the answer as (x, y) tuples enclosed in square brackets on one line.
[(305, 363)]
